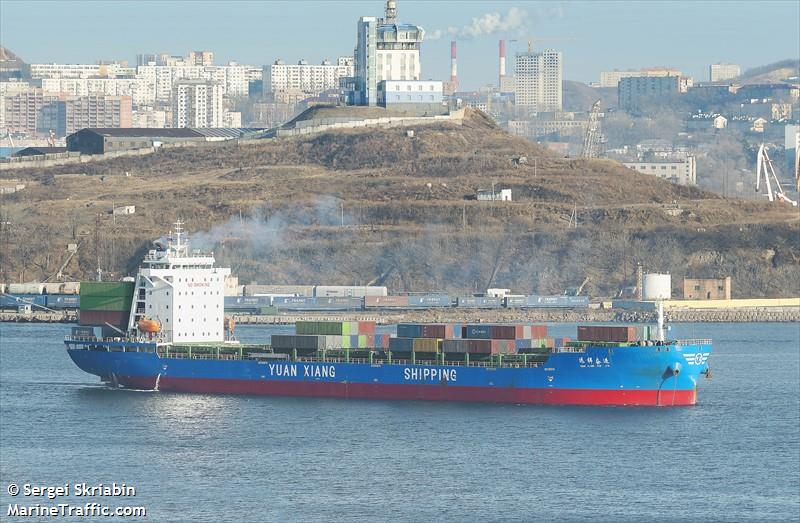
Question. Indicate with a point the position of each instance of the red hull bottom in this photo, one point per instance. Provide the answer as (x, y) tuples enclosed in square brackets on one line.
[(653, 398)]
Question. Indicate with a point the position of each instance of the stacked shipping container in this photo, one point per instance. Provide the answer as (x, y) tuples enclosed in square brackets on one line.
[(106, 303)]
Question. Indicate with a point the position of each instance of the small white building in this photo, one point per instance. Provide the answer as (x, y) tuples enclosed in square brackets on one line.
[(124, 210), (720, 122), (496, 195)]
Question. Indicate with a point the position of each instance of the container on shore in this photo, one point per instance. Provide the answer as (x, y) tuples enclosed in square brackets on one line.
[(63, 301), (430, 301), (25, 288), (478, 302), (386, 302), (16, 300)]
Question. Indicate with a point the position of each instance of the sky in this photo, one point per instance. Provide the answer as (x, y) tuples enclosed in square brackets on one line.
[(593, 36)]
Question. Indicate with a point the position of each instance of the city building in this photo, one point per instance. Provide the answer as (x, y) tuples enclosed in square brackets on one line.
[(20, 112), (421, 97), (538, 80), (722, 71), (95, 111), (71, 113), (682, 171), (707, 288), (151, 117), (564, 124), (39, 71), (633, 91), (142, 91), (302, 77), (612, 78), (197, 103), (200, 58), (234, 78), (385, 50), (720, 122)]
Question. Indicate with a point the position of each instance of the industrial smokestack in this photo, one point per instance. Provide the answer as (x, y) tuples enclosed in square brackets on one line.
[(453, 66), (502, 58)]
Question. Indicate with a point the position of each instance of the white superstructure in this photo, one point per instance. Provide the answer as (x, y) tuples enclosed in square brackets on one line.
[(183, 291)]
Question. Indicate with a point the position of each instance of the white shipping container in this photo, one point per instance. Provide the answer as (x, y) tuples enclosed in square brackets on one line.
[(25, 288), (71, 287), (53, 288), (293, 290), (348, 291)]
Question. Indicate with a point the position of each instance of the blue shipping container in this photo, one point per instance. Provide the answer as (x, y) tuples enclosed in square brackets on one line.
[(515, 301), (409, 330), (557, 301), (65, 301), (23, 299), (474, 302), (298, 303), (477, 332), (246, 302), (286, 301), (431, 300), (401, 344)]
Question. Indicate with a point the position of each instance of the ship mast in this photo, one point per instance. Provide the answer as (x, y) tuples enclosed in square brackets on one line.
[(660, 308)]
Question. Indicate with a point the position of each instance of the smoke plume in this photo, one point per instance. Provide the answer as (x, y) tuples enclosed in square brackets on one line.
[(515, 21)]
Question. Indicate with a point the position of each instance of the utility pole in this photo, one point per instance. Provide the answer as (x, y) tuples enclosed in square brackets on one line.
[(97, 244)]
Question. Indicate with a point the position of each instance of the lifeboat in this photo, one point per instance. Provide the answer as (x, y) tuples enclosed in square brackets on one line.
[(148, 325)]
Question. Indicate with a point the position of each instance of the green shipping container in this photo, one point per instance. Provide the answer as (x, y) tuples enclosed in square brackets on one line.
[(117, 289), (106, 303)]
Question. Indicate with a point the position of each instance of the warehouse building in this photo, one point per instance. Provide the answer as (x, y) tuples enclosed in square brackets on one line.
[(103, 140)]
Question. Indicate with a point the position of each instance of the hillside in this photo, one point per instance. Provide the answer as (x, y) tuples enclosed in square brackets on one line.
[(776, 72), (579, 97), (274, 212)]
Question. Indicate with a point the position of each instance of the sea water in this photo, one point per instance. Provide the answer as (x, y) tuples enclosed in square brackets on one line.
[(733, 457)]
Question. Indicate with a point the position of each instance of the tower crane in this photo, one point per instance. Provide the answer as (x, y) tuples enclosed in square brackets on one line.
[(765, 170), (592, 136), (532, 40)]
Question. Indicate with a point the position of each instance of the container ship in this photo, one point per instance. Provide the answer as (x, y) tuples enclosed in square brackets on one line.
[(166, 330)]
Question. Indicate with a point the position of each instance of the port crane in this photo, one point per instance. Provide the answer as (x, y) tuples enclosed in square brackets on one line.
[(765, 170), (576, 291), (59, 275), (592, 137)]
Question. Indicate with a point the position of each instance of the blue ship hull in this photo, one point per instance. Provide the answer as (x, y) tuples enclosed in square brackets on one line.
[(664, 375)]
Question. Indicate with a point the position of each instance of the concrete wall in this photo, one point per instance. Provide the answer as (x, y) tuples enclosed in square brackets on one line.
[(732, 304), (323, 125)]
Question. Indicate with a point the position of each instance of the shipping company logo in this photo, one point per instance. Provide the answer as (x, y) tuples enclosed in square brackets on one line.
[(595, 362), (698, 358)]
